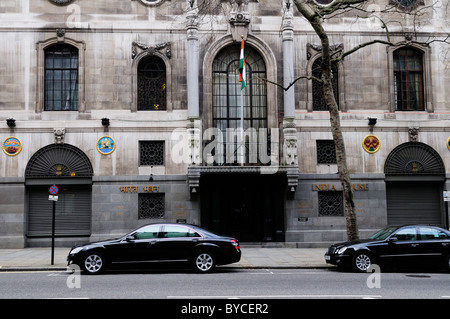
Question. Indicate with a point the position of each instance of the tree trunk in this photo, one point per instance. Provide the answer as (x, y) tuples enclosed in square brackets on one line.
[(344, 174)]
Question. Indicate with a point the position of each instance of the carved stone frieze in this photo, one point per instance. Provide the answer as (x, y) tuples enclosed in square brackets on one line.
[(151, 49), (313, 49)]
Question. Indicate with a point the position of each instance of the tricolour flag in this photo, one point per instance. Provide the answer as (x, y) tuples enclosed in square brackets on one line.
[(242, 67)]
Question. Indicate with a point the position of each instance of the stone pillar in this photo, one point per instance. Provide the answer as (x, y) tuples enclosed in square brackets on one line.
[(194, 126), (289, 126), (288, 59), (192, 59)]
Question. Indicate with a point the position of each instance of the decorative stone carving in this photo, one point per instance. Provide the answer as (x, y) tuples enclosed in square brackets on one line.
[(194, 141), (288, 14), (313, 49), (239, 19), (413, 134), (60, 34), (192, 15), (59, 135), (290, 143), (151, 49)]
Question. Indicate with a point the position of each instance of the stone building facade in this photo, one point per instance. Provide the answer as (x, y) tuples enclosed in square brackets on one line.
[(132, 108)]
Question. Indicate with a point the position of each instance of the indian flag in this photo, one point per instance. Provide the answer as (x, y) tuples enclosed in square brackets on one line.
[(242, 67)]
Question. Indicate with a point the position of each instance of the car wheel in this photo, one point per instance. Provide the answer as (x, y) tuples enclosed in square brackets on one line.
[(204, 262), (362, 261), (447, 263), (93, 263)]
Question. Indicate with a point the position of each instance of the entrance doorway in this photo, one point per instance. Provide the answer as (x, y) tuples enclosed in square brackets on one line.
[(415, 176), (249, 207), (69, 168)]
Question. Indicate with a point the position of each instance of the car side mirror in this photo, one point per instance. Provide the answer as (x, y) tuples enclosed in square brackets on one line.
[(130, 238), (393, 239)]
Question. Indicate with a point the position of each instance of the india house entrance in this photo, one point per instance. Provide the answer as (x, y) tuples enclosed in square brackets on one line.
[(247, 206)]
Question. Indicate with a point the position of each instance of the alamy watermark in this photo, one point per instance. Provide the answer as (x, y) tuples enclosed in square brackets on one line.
[(231, 146), (74, 278), (374, 279)]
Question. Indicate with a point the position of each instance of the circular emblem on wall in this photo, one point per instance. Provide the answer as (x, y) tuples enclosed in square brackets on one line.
[(61, 2), (448, 143), (323, 2), (12, 146), (152, 2), (106, 145), (371, 144)]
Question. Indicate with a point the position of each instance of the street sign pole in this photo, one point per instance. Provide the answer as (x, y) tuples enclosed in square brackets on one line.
[(53, 192), (53, 233)]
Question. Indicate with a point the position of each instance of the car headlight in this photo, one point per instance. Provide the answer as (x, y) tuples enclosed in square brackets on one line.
[(341, 250), (76, 250)]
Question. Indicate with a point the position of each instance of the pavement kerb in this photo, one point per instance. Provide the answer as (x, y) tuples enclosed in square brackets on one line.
[(38, 259), (60, 269)]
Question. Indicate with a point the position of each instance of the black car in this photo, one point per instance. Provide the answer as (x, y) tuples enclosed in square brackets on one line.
[(158, 243), (407, 245)]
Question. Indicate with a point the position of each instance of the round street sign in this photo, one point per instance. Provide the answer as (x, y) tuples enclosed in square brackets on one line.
[(53, 190)]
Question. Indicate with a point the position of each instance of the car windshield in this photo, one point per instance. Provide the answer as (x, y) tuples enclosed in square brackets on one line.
[(383, 233)]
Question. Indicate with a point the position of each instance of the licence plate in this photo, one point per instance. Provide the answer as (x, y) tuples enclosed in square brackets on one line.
[(327, 257)]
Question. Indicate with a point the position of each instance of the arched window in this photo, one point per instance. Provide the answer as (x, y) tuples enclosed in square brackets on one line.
[(151, 84), (227, 90), (317, 87), (408, 80), (228, 101), (61, 78)]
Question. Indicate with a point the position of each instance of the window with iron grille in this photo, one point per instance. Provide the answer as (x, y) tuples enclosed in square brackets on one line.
[(319, 103), (151, 205), (151, 84), (331, 203), (61, 78), (326, 152), (151, 153)]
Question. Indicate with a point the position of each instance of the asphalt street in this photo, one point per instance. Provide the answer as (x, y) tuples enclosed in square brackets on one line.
[(226, 283)]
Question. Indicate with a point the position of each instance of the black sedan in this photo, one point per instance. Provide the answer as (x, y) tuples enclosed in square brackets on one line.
[(408, 245), (158, 243)]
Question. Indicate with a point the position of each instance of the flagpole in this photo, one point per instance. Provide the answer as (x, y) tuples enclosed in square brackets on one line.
[(242, 129), (242, 106), (242, 79)]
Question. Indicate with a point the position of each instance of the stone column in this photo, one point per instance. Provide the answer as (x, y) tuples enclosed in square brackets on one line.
[(194, 126), (192, 59), (289, 126)]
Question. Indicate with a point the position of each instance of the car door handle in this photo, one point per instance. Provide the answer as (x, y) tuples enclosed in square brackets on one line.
[(153, 242), (414, 245), (444, 244)]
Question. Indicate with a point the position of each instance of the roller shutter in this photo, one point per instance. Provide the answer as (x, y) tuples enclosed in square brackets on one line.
[(73, 212), (413, 203)]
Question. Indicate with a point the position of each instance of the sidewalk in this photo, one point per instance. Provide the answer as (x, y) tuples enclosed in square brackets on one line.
[(40, 258)]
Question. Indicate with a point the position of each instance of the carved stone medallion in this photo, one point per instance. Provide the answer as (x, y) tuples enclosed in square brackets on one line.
[(61, 2)]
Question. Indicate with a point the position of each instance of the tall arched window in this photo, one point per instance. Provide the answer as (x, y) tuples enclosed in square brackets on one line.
[(151, 84), (227, 100), (408, 80), (61, 78), (317, 87)]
